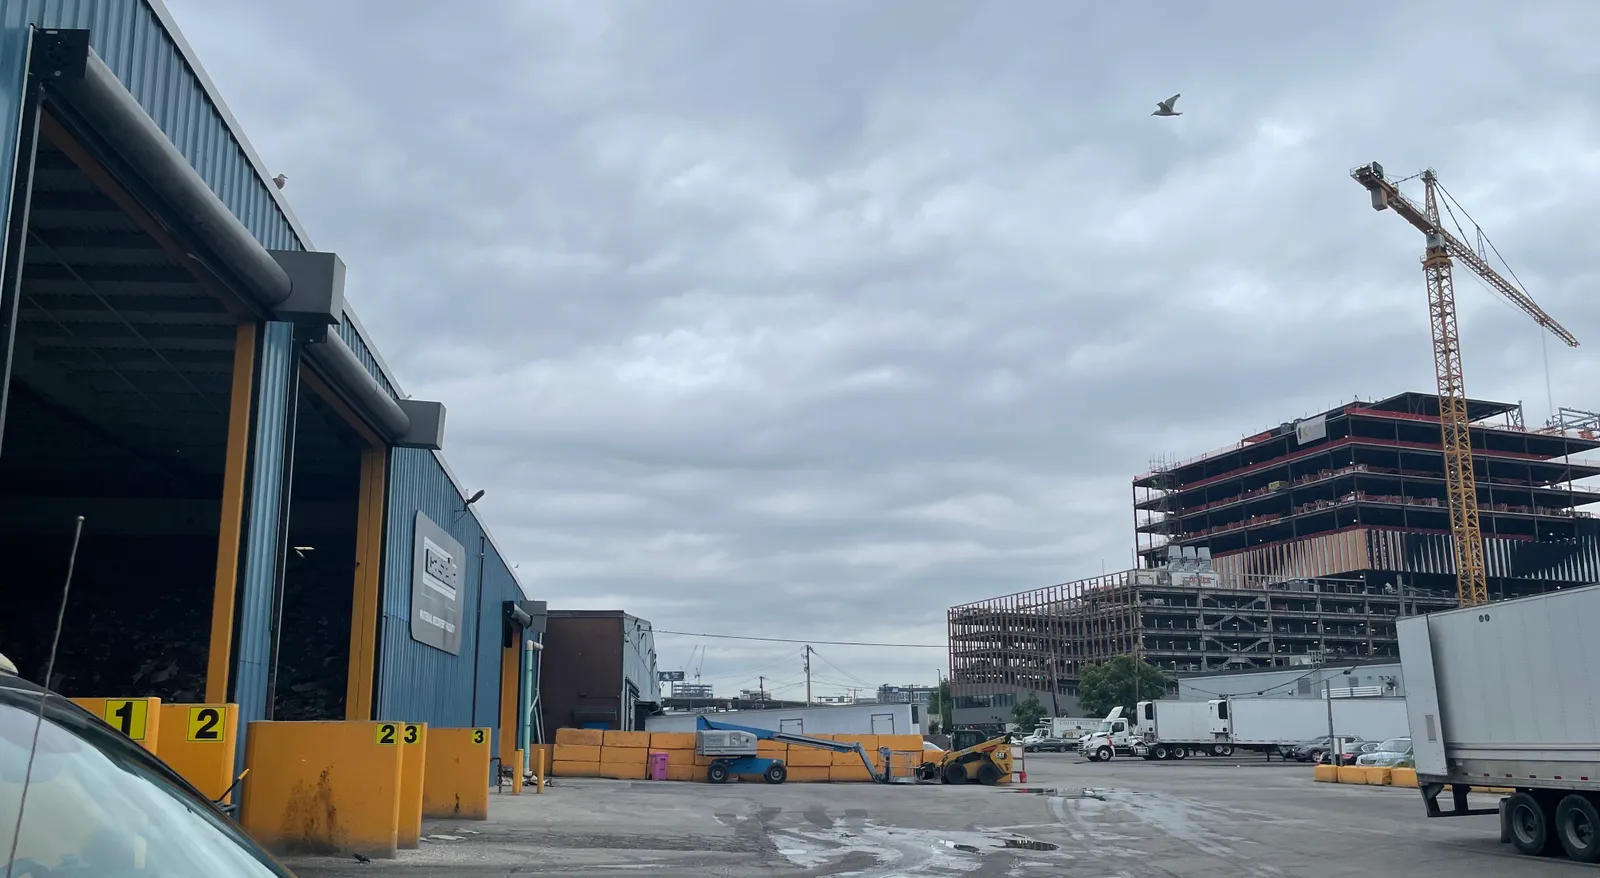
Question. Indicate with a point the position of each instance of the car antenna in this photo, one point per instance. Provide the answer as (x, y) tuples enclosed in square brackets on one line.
[(49, 670)]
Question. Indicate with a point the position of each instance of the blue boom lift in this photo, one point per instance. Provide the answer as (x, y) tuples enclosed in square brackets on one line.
[(732, 750)]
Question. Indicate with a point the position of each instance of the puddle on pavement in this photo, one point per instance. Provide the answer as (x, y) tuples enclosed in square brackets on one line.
[(1029, 844), (1082, 793)]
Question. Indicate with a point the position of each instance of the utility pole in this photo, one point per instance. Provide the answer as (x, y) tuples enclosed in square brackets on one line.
[(761, 687), (808, 674)]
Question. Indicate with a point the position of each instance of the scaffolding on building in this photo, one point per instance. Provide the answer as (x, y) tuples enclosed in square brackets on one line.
[(1185, 617)]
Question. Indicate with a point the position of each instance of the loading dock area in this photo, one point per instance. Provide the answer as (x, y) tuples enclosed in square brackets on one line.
[(1211, 818), (262, 504)]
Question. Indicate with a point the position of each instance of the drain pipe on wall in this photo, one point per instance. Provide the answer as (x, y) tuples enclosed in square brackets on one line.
[(530, 678), (477, 623)]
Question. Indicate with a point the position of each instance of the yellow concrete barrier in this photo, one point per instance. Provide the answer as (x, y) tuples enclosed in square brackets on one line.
[(577, 753), (1325, 774), (199, 741), (805, 774), (638, 740), (1352, 774), (588, 737), (413, 761), (455, 780), (330, 788), (672, 740), (1377, 776), (574, 769), (1403, 777), (138, 718)]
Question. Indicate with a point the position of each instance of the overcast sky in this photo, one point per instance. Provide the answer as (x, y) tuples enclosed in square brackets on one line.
[(811, 319)]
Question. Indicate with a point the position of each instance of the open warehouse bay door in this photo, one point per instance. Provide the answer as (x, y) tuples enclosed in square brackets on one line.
[(153, 382), (122, 375)]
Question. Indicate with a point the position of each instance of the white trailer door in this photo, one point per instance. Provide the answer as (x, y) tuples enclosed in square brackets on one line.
[(1422, 694)]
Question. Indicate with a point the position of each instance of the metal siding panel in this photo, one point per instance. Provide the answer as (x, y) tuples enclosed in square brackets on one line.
[(133, 43), (417, 683), (261, 528)]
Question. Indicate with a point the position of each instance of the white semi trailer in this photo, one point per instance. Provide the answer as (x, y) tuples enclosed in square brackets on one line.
[(1177, 729), (1501, 695), (1275, 723)]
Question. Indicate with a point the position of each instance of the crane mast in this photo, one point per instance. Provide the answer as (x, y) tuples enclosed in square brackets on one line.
[(1461, 483)]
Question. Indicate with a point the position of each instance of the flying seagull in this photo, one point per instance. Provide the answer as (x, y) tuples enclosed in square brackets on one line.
[(1165, 107)]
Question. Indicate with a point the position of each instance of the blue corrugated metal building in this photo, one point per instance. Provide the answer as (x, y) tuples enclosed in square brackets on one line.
[(124, 175)]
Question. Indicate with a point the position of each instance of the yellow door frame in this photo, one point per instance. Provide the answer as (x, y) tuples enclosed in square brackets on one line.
[(231, 528), (367, 590), (510, 680)]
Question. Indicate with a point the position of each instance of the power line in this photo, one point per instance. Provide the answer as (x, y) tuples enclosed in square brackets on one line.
[(846, 673), (797, 640)]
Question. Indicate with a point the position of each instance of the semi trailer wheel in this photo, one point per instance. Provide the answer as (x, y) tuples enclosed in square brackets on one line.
[(1531, 830), (1161, 751), (1180, 752), (1223, 750), (1577, 823)]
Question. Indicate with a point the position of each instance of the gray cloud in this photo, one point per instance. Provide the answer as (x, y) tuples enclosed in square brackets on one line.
[(817, 318)]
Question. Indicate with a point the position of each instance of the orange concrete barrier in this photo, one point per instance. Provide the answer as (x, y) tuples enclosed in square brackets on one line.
[(455, 780), (200, 741), (1325, 774), (138, 718), (413, 762), (1403, 777), (329, 788)]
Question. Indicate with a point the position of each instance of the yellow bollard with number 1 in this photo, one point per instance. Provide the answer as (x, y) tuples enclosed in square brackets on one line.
[(138, 718)]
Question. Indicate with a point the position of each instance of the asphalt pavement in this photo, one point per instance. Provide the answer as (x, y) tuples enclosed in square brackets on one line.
[(1200, 818)]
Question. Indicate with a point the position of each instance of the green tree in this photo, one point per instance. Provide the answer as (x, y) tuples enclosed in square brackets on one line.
[(1027, 713), (1123, 681), (940, 704)]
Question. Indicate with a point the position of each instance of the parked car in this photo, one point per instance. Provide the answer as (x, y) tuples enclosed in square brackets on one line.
[(1390, 753), (1312, 750), (1349, 751), (1048, 744), (127, 806)]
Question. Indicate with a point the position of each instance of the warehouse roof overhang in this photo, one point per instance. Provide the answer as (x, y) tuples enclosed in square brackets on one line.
[(86, 97)]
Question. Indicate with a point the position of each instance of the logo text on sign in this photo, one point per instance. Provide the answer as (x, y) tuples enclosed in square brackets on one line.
[(205, 724), (128, 716)]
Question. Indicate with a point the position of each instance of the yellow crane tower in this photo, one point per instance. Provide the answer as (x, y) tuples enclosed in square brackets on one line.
[(1461, 483)]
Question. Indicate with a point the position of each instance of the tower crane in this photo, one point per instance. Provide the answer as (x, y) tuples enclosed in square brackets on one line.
[(1440, 248)]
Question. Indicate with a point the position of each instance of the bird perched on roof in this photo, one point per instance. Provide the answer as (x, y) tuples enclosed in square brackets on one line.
[(1165, 107), (280, 180)]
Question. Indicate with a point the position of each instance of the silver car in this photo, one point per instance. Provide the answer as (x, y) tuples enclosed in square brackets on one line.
[(1388, 754)]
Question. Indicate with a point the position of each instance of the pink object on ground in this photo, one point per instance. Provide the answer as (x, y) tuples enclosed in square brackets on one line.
[(658, 766)]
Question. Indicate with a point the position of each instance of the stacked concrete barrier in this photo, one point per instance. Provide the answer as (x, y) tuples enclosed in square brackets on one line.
[(625, 756)]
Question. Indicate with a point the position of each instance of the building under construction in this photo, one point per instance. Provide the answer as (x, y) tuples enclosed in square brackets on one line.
[(1299, 544)]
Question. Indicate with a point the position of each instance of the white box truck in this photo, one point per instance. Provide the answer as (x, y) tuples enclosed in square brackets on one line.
[(1502, 695), (1179, 729)]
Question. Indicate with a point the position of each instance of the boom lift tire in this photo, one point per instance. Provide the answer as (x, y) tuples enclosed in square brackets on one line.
[(775, 773), (1578, 828), (717, 773), (989, 774)]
